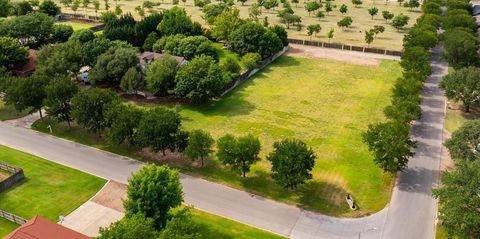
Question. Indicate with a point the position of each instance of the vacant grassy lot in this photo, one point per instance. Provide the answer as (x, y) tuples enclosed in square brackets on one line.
[(326, 103), (49, 189), (355, 35), (76, 25), (222, 228), (7, 112)]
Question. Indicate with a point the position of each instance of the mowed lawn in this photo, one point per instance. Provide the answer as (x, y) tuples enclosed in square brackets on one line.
[(8, 112), (327, 104), (6, 227), (76, 25), (49, 189), (355, 35)]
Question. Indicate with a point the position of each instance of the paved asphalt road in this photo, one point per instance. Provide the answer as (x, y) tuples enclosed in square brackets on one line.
[(410, 214)]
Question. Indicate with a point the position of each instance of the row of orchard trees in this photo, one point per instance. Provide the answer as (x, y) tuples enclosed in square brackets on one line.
[(459, 194), (389, 141)]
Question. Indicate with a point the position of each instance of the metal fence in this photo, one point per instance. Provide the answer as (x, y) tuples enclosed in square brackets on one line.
[(246, 75), (12, 217), (345, 47)]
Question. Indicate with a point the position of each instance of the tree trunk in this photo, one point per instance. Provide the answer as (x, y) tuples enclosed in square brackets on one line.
[(40, 111), (467, 107), (163, 152), (69, 125), (201, 158), (243, 168)]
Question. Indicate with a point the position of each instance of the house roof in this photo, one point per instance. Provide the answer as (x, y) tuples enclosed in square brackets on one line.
[(147, 57), (41, 228), (27, 68)]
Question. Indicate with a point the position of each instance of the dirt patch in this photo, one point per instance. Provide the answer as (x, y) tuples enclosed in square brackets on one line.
[(446, 163), (112, 196), (358, 58)]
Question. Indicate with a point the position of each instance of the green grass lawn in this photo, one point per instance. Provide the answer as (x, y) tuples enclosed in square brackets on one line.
[(455, 118), (49, 189), (8, 112), (76, 25), (355, 35), (328, 104), (222, 228), (440, 233), (224, 54), (6, 227)]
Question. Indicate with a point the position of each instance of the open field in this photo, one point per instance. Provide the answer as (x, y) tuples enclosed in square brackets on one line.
[(77, 25), (49, 189), (222, 228), (391, 39), (7, 112), (326, 103)]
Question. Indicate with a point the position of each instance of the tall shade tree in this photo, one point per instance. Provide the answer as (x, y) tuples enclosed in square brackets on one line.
[(463, 85), (63, 59), (176, 21), (226, 23), (400, 21), (181, 226), (112, 65), (153, 191), (292, 162), (200, 145), (158, 129), (373, 11), (465, 142), (27, 93), (136, 226), (238, 153), (4, 8), (416, 59), (199, 80), (390, 144), (49, 7), (11, 52), (387, 15), (459, 198), (123, 121), (59, 94), (160, 75), (132, 81), (31, 29), (90, 106), (245, 38), (461, 48)]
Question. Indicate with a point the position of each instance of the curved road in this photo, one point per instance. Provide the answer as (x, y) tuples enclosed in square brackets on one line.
[(411, 213)]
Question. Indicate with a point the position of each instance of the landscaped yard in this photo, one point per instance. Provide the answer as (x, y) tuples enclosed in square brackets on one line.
[(76, 25), (222, 228), (355, 35), (6, 227), (49, 189), (7, 112), (328, 104)]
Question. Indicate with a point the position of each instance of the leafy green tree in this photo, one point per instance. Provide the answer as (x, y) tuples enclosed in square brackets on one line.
[(320, 15), (160, 76), (461, 49), (200, 145), (280, 32), (373, 11), (238, 153), (31, 29), (192, 46), (132, 81), (211, 11), (330, 34), (176, 21), (83, 35), (459, 20), (387, 15), (123, 120), (345, 22), (270, 44), (390, 144), (49, 7), (313, 29), (378, 29), (136, 226), (112, 65), (59, 94), (22, 8), (27, 93), (96, 6), (225, 23), (61, 32), (11, 52), (420, 36), (153, 191), (295, 2), (63, 59), (343, 9), (357, 3), (150, 41), (459, 199), (245, 38), (199, 80), (431, 8), (75, 5), (251, 60), (89, 108), (312, 6), (328, 8), (288, 18), (158, 129), (369, 36), (181, 226), (400, 21), (4, 8), (412, 4), (292, 162), (463, 85), (464, 145), (254, 11), (416, 59)]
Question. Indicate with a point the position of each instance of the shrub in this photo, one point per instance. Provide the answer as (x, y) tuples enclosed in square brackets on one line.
[(251, 60)]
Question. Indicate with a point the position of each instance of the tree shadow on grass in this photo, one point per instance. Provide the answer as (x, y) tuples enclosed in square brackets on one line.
[(207, 231), (322, 196)]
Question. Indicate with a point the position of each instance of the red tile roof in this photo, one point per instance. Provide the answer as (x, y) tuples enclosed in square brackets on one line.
[(41, 228)]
